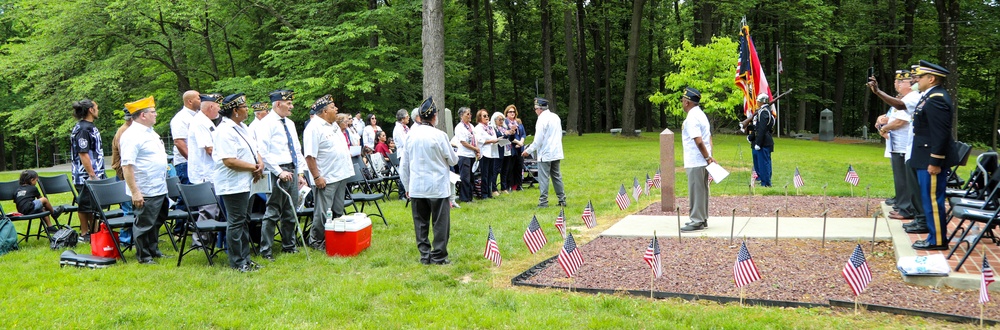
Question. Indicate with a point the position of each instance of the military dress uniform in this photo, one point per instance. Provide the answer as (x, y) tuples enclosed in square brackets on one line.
[(932, 143)]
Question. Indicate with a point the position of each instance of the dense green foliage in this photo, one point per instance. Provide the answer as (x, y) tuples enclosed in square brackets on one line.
[(367, 54)]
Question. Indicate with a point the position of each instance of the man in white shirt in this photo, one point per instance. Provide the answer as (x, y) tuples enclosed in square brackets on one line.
[(696, 137), (200, 138), (144, 161), (283, 159), (548, 145), (358, 124), (179, 130), (260, 109), (329, 162), (894, 126), (425, 172), (467, 152)]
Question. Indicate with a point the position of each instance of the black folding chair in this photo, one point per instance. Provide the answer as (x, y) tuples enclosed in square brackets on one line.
[(963, 150), (196, 196), (393, 184), (990, 221), (105, 195), (365, 195), (59, 184), (174, 216), (7, 192)]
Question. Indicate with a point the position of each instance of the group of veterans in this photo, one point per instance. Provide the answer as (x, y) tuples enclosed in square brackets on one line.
[(213, 145), (917, 129)]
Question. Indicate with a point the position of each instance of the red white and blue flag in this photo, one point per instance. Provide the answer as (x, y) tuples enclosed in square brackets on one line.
[(753, 178), (561, 223), (492, 251), (852, 176), (589, 217), (652, 258), (798, 179), (636, 188), (856, 271), (533, 236), (656, 179), (749, 75), (984, 294), (570, 258), (744, 270), (622, 198), (649, 184)]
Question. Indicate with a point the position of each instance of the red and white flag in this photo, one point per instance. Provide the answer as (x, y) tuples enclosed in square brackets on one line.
[(492, 251), (781, 67), (753, 178), (652, 258), (561, 223), (649, 184), (589, 217), (570, 258), (533, 236), (798, 179), (622, 198), (856, 271), (636, 188), (852, 176), (744, 270), (984, 294), (749, 75), (656, 179)]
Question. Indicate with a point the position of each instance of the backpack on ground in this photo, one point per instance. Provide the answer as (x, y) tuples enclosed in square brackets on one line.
[(63, 238), (8, 236)]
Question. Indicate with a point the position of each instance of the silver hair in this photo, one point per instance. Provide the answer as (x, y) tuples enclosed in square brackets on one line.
[(402, 113), (463, 110)]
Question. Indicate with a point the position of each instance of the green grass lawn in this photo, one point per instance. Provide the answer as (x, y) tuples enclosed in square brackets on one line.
[(387, 287)]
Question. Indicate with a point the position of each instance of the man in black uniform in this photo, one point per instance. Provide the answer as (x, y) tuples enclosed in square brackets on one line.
[(931, 146), (763, 143)]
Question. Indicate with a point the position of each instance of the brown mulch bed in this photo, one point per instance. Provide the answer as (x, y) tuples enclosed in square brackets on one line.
[(793, 206), (795, 270)]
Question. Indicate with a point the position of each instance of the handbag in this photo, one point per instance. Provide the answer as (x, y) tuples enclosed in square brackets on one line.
[(102, 244), (65, 237)]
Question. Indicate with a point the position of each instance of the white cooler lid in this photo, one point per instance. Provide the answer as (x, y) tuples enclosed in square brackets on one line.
[(350, 223)]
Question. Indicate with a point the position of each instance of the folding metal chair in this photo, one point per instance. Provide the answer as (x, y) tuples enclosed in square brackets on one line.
[(105, 195), (365, 195), (196, 196), (7, 192), (59, 184)]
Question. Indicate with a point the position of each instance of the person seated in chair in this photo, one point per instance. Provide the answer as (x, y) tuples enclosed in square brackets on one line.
[(29, 201)]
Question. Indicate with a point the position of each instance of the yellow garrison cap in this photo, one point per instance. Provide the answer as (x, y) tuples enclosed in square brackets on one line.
[(145, 103)]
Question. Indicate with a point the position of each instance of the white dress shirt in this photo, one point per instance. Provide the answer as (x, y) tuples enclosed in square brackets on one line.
[(425, 172), (465, 132), (548, 137), (200, 136), (483, 134), (399, 136), (142, 148), (233, 140), (358, 125), (325, 142), (273, 144), (695, 125), (179, 130), (368, 136)]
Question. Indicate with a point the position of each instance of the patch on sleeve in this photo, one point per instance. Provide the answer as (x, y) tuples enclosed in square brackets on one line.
[(82, 143)]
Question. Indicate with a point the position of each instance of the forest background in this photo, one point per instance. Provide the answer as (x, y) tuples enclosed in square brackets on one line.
[(367, 54)]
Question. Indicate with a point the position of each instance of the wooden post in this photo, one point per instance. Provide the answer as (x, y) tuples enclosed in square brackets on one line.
[(667, 171)]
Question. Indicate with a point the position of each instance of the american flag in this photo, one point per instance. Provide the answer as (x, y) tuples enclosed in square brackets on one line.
[(798, 178), (652, 258), (852, 176), (622, 198), (570, 258), (636, 188), (856, 271), (649, 184), (656, 179), (561, 222), (534, 237), (753, 178), (984, 295), (744, 270), (492, 251), (588, 216)]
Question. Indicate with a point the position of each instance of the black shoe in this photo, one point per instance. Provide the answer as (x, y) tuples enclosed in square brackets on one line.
[(245, 268), (890, 201), (694, 227), (914, 223), (917, 230), (563, 204), (268, 257), (924, 245), (290, 251), (161, 255), (543, 205), (51, 229), (425, 261), (84, 238), (444, 261), (254, 265), (149, 261), (58, 211)]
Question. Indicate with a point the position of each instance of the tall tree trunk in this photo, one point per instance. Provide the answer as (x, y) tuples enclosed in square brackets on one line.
[(208, 48), (490, 40), (3, 150), (628, 100), (584, 73), (573, 118), (595, 33), (373, 42), (677, 18), (512, 25), (993, 132), (948, 13), (838, 93), (911, 12), (609, 115), (432, 42), (703, 22), (547, 53), (800, 118), (648, 80), (476, 78)]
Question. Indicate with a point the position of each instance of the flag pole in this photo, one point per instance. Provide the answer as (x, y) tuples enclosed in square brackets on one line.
[(982, 306), (651, 273), (777, 67)]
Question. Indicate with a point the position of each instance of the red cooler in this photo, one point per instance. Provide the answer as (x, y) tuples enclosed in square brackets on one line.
[(349, 235)]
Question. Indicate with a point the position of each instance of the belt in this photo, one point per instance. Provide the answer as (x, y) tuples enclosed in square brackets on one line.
[(289, 166)]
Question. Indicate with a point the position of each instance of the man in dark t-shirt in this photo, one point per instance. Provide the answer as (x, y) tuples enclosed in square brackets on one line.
[(87, 160)]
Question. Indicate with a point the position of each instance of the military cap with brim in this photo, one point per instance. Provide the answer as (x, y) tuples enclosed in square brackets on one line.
[(428, 109), (232, 102), (692, 94), (902, 74), (210, 97), (141, 104), (321, 103), (540, 102), (281, 95), (260, 106), (931, 68)]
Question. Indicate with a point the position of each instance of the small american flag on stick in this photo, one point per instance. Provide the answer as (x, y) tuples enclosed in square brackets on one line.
[(561, 223), (570, 257), (798, 179), (984, 295), (492, 251), (622, 198), (852, 176), (589, 217), (856, 271), (744, 270), (649, 184), (534, 237), (652, 258), (656, 179), (636, 188)]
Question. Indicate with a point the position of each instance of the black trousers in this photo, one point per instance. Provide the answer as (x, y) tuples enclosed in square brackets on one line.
[(432, 214), (465, 175)]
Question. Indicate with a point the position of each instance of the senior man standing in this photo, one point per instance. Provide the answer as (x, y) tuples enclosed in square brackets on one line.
[(329, 161), (548, 144), (696, 137), (144, 161)]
